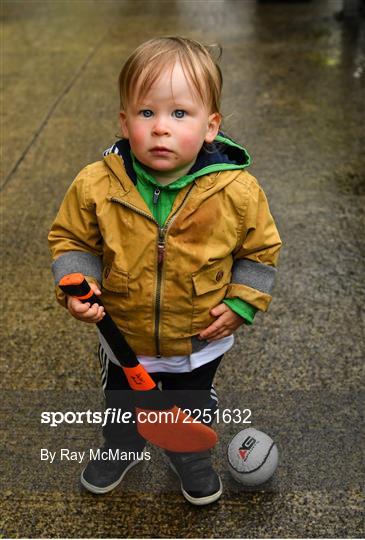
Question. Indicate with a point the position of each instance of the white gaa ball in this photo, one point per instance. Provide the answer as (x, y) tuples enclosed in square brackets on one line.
[(252, 457)]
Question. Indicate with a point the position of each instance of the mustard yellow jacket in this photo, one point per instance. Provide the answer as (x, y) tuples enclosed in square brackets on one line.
[(159, 283)]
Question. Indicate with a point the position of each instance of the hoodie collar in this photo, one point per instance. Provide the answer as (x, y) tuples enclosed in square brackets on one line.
[(222, 154)]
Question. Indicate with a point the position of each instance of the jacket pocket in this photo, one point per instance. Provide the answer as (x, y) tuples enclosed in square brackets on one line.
[(213, 278), (115, 280)]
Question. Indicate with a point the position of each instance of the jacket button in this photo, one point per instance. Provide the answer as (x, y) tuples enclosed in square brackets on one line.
[(219, 275)]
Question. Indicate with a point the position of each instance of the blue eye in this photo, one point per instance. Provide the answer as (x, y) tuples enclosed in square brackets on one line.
[(146, 113), (179, 113)]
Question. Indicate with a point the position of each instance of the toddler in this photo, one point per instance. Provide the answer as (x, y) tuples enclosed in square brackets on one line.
[(177, 237)]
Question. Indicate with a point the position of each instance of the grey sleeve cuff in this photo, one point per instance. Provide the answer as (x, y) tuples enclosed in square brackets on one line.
[(77, 261), (254, 274)]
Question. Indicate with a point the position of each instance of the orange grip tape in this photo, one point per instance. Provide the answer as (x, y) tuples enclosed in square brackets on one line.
[(138, 378), (75, 279), (86, 296), (72, 279)]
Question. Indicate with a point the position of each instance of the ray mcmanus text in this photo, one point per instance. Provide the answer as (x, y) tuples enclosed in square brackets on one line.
[(111, 454)]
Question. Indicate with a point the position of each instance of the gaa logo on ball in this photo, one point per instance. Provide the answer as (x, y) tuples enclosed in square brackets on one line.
[(252, 457)]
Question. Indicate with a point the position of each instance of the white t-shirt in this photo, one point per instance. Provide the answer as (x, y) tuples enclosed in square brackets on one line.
[(177, 364)]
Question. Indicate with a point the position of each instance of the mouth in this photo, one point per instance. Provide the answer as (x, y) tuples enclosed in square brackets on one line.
[(160, 150)]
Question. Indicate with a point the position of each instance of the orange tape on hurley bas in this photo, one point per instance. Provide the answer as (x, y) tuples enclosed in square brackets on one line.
[(138, 378), (174, 430)]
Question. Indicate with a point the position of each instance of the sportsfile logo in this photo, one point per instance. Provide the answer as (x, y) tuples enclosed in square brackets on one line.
[(247, 447)]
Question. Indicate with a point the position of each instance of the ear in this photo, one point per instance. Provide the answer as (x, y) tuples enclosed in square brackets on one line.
[(123, 124), (214, 121)]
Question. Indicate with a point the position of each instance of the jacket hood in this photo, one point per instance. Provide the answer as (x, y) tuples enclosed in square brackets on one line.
[(222, 154)]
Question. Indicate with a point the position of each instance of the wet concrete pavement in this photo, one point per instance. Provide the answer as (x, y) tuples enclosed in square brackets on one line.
[(294, 96)]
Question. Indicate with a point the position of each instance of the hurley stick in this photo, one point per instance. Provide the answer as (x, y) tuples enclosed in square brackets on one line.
[(175, 431)]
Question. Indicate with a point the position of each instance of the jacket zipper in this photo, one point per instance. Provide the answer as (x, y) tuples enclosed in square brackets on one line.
[(162, 233), (161, 253), (160, 257)]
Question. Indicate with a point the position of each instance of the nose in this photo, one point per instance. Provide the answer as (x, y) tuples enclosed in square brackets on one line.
[(160, 127)]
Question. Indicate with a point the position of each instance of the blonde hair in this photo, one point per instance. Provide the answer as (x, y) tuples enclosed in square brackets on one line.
[(147, 62)]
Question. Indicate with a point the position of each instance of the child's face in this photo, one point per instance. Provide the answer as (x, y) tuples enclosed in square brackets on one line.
[(168, 126)]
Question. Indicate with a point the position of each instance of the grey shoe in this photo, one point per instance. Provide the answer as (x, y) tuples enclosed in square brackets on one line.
[(199, 482), (102, 475)]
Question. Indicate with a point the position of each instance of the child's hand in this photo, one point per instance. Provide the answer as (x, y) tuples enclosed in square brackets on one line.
[(85, 312), (227, 322)]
